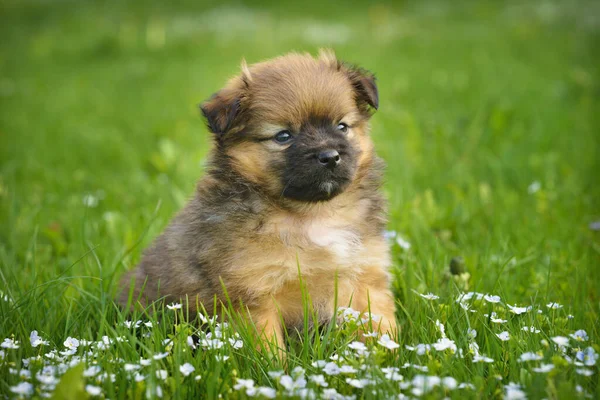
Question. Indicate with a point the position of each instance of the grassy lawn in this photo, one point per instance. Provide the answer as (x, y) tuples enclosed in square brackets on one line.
[(489, 123)]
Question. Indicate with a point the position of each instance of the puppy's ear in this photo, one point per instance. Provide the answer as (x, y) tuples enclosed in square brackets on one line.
[(224, 107), (220, 110), (364, 84)]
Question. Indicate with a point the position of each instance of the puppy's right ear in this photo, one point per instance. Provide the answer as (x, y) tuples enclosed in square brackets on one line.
[(221, 110)]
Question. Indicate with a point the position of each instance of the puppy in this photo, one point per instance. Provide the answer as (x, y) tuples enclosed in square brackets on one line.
[(290, 202)]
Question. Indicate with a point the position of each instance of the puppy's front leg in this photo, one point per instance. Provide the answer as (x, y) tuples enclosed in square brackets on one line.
[(268, 324), (372, 294)]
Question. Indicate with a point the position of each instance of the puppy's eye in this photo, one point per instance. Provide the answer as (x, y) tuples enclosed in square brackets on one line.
[(342, 127), (283, 137)]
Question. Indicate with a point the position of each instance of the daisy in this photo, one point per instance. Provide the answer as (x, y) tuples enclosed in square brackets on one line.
[(530, 356), (93, 390), (331, 369), (580, 336), (36, 340), (319, 380), (186, 369), (9, 343), (531, 329), (518, 310), (544, 368), (554, 306), (491, 299), (23, 389), (561, 341), (388, 343)]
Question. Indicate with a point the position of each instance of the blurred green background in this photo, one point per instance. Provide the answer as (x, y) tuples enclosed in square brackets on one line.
[(489, 123)]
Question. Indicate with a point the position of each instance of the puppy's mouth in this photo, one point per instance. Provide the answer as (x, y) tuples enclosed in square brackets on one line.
[(316, 191)]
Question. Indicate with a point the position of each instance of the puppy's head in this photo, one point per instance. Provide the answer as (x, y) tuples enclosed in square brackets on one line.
[(295, 125)]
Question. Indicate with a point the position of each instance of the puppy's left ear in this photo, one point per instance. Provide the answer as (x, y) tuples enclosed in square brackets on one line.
[(221, 110), (364, 84)]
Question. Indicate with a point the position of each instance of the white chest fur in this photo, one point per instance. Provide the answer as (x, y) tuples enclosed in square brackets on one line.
[(341, 241)]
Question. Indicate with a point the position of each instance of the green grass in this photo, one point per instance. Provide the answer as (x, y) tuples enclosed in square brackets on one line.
[(478, 101)]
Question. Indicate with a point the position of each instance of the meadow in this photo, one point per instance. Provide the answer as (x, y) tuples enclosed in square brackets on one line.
[(489, 124)]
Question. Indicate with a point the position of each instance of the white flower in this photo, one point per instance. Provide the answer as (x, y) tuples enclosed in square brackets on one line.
[(36, 340), (531, 329), (213, 344), (144, 362), (92, 371), (580, 336), (267, 392), (424, 383), (93, 390), (131, 367), (371, 334), (588, 356), (518, 310), (402, 242), (554, 306), (428, 296), (584, 371), (159, 392), (544, 368), (357, 383), (388, 343), (287, 382), (190, 342), (482, 358), (129, 324), (275, 374), (513, 391), (530, 356), (504, 336), (347, 369), (466, 385), (159, 356), (23, 389), (319, 380), (138, 377), (534, 187), (186, 369), (445, 344), (420, 348), (449, 383), (441, 327), (348, 314), (561, 341), (331, 369), (89, 200), (243, 384), (330, 394), (494, 318), (392, 374), (174, 306), (71, 343), (162, 374), (236, 343), (9, 343), (491, 298), (358, 346), (471, 333)]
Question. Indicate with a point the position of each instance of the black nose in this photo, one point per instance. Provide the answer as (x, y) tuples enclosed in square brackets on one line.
[(329, 158)]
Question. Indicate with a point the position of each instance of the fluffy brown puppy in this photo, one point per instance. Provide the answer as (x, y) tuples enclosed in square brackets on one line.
[(292, 193)]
